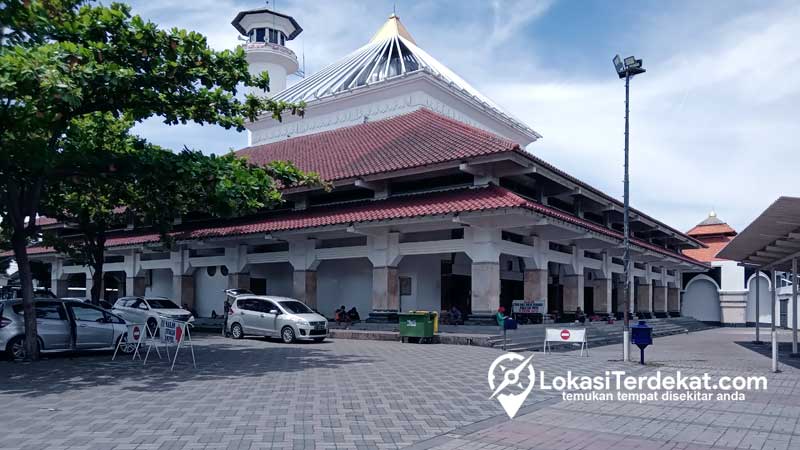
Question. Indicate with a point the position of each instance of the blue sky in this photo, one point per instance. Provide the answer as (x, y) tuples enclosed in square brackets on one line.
[(714, 121)]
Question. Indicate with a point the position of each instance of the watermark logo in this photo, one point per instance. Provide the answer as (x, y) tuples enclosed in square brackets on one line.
[(511, 379)]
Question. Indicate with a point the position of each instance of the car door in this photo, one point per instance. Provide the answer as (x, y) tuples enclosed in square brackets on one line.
[(91, 327), (247, 316), (268, 318), (52, 324)]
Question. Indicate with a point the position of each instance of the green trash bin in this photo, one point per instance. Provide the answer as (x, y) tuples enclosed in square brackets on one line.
[(416, 326)]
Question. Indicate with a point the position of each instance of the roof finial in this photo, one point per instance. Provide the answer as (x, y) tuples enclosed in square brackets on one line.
[(712, 213)]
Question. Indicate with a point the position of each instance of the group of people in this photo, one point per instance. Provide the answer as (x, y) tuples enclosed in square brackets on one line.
[(342, 315)]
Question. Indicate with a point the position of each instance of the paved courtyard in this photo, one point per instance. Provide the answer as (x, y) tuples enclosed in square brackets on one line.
[(349, 394)]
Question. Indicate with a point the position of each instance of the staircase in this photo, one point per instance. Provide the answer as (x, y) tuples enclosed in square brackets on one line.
[(531, 338)]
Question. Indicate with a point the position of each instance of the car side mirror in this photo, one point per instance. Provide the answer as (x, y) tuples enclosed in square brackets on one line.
[(274, 311)]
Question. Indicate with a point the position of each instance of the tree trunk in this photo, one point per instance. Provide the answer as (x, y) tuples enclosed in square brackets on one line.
[(98, 260), (20, 243)]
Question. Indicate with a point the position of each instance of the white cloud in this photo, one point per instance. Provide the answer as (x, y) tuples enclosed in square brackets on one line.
[(713, 121)]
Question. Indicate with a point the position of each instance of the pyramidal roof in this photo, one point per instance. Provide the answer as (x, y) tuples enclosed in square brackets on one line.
[(712, 225), (391, 53)]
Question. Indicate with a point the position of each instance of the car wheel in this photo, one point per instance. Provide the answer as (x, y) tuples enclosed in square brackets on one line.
[(319, 339), (152, 326), (16, 348), (127, 347), (236, 331), (287, 334)]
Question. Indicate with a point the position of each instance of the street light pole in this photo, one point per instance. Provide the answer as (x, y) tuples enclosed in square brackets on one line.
[(627, 69), (626, 332)]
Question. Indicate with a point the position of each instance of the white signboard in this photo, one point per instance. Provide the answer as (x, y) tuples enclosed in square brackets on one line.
[(566, 335), (527, 307), (173, 332), (131, 341)]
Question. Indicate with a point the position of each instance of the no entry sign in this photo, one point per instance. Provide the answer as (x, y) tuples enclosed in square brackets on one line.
[(566, 335)]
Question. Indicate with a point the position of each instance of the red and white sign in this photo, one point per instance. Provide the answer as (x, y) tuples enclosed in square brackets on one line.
[(565, 335), (137, 333)]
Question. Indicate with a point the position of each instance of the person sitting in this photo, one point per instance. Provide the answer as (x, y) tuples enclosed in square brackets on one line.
[(353, 315), (455, 315), (501, 318), (580, 316), (341, 315)]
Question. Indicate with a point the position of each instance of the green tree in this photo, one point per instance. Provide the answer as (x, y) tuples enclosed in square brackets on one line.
[(63, 59), (151, 186)]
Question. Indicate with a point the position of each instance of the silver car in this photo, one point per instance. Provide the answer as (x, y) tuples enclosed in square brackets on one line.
[(55, 319), (150, 310), (270, 316)]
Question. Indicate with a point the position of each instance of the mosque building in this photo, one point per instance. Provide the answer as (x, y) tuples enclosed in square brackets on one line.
[(438, 200)]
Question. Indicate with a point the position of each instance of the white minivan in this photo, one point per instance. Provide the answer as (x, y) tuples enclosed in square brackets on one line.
[(270, 316)]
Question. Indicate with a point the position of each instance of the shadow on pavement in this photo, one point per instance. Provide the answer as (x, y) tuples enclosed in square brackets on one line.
[(217, 359), (765, 349)]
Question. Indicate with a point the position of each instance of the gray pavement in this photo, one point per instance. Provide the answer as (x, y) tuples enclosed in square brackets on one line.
[(349, 394)]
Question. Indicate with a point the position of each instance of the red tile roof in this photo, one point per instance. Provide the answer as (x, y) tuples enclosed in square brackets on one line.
[(410, 140), (440, 203), (705, 230), (715, 245)]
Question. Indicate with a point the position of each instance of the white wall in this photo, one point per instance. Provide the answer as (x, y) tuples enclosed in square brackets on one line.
[(208, 291), (278, 275), (425, 272), (161, 285), (765, 301), (345, 282), (701, 301), (732, 275)]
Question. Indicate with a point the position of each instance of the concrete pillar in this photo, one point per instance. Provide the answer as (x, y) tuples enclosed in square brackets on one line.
[(59, 287), (673, 300), (183, 290), (659, 299), (573, 293), (644, 298), (602, 295), (89, 283), (135, 286), (485, 287), (535, 286), (304, 287), (385, 289)]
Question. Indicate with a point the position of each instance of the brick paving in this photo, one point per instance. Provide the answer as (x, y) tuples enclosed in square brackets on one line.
[(349, 394)]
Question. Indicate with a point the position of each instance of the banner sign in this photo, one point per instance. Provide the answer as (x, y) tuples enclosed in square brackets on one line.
[(527, 307), (566, 335), (173, 332), (131, 340)]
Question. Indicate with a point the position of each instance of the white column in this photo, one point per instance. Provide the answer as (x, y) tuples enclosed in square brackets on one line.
[(384, 254), (483, 250), (303, 258)]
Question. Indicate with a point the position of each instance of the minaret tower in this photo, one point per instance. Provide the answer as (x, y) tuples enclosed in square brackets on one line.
[(266, 33)]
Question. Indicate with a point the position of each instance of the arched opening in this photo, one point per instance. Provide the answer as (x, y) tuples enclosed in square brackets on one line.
[(701, 300)]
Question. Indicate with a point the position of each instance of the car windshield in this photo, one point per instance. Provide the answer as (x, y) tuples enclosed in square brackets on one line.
[(162, 303), (296, 307)]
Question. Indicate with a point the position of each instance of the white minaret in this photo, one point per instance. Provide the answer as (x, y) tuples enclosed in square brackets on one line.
[(267, 32)]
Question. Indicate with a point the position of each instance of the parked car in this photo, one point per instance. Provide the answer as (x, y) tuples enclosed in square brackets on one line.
[(55, 318), (103, 304), (15, 292), (269, 316), (149, 310)]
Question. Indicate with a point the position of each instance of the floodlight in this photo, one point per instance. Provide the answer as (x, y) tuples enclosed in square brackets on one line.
[(630, 60), (618, 64)]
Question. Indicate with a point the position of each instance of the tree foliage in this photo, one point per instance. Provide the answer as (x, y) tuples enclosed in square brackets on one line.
[(61, 60)]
